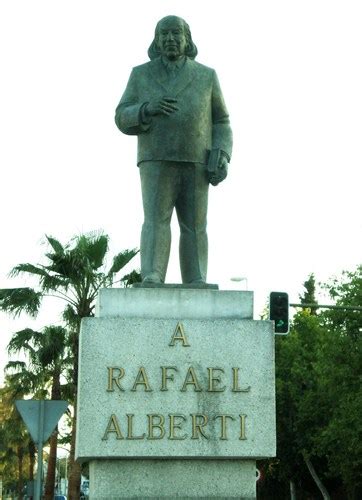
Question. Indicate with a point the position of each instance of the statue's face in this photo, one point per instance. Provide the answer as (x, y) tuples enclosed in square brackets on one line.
[(171, 38)]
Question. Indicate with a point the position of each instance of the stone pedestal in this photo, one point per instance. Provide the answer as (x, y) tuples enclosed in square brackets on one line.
[(175, 394)]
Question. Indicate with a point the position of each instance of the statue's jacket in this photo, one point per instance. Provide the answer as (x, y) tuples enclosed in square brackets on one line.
[(187, 135)]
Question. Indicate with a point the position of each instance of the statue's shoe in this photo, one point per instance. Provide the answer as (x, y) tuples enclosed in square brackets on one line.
[(152, 278)]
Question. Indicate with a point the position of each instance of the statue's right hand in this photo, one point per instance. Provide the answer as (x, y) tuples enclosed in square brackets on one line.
[(164, 106)]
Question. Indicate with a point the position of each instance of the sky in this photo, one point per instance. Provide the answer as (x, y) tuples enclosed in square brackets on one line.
[(291, 76)]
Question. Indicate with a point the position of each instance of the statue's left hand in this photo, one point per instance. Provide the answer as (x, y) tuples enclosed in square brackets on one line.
[(221, 172)]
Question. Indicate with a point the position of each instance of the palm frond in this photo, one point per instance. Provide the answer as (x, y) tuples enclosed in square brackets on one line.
[(131, 278), (122, 259), (53, 345), (70, 316), (15, 366), (29, 269), (47, 279), (68, 392), (22, 380), (23, 340), (55, 244), (93, 247), (18, 300), (51, 282), (68, 266)]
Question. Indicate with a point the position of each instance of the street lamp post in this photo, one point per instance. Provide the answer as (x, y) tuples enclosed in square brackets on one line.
[(66, 468), (239, 279)]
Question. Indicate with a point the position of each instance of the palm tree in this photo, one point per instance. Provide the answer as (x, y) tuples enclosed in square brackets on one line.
[(48, 355), (19, 384), (74, 273), (15, 441)]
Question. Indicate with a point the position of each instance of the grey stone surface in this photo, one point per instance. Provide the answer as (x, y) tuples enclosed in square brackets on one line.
[(130, 344), (134, 328), (182, 479), (145, 284), (174, 303)]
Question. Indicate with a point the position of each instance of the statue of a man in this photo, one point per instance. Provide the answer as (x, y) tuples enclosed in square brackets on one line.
[(175, 107)]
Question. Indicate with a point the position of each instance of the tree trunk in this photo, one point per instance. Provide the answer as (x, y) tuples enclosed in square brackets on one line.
[(31, 452), (75, 469), (20, 455), (314, 475), (351, 492), (293, 490), (52, 463)]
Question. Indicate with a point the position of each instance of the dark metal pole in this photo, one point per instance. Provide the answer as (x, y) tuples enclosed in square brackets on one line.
[(320, 306), (40, 451)]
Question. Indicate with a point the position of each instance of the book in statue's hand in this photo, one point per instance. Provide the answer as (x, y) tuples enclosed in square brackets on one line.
[(213, 165), (213, 161), (215, 173)]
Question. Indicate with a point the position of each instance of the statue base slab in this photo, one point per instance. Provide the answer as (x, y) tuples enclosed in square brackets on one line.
[(176, 395), (168, 479), (197, 286)]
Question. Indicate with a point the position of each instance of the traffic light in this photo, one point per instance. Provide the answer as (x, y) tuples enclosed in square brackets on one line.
[(279, 311)]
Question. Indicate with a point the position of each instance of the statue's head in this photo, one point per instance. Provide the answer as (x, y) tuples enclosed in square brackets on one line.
[(172, 39)]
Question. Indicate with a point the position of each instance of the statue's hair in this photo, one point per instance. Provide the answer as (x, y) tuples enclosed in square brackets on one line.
[(191, 49)]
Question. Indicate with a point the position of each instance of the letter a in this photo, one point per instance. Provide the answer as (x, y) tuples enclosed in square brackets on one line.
[(179, 334), (113, 426)]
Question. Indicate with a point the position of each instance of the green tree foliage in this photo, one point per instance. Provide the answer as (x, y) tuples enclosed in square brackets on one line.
[(49, 361), (300, 415), (74, 272), (339, 370), (14, 442), (309, 295), (319, 396), (346, 291)]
